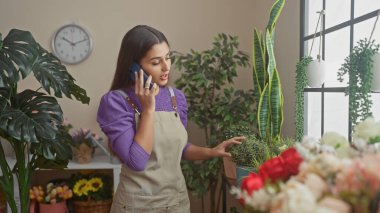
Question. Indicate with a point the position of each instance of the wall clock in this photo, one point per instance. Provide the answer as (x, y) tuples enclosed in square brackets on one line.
[(72, 44)]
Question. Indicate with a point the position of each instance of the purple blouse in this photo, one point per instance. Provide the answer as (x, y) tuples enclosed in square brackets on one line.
[(117, 120)]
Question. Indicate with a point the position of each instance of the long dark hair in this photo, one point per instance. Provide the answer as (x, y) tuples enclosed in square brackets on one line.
[(136, 43)]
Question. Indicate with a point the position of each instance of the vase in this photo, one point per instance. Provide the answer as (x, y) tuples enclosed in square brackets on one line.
[(376, 73), (316, 72), (83, 153), (229, 169), (101, 206), (242, 172), (60, 207)]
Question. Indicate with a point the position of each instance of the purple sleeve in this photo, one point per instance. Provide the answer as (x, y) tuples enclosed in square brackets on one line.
[(116, 119), (182, 111)]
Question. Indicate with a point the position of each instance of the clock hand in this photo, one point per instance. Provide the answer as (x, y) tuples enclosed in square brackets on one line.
[(67, 40), (81, 41)]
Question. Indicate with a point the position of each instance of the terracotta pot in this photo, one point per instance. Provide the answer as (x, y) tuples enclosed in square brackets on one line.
[(60, 207)]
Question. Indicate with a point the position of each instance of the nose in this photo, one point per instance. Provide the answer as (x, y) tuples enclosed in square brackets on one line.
[(166, 65)]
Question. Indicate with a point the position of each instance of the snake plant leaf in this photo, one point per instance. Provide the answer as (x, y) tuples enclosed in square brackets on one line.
[(276, 104), (271, 58), (274, 14), (17, 56), (263, 113), (258, 61), (52, 74), (30, 116)]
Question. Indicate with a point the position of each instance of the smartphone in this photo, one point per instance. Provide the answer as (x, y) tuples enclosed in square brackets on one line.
[(136, 68)]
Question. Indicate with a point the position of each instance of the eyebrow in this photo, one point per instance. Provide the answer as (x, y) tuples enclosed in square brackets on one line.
[(157, 58)]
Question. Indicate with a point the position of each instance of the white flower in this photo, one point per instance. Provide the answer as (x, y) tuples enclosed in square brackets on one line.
[(295, 197), (339, 142), (367, 129)]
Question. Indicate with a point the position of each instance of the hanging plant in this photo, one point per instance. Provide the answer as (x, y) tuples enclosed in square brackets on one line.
[(301, 82), (358, 66)]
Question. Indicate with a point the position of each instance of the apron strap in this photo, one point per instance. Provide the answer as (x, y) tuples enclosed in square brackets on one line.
[(133, 105), (174, 101), (129, 100)]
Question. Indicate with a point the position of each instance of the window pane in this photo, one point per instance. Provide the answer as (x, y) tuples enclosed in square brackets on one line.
[(365, 6), (312, 7), (337, 11), (336, 50), (313, 101), (376, 106), (336, 113), (315, 47), (363, 30)]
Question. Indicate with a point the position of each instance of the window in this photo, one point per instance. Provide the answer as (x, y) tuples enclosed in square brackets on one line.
[(345, 22)]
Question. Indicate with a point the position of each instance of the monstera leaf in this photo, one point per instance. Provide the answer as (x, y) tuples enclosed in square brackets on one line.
[(20, 55), (29, 116)]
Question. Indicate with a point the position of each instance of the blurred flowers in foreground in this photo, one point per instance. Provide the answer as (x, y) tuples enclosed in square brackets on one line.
[(326, 175), (53, 193)]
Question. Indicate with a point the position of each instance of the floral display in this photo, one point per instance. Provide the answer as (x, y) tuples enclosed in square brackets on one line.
[(53, 193), (326, 175), (92, 187)]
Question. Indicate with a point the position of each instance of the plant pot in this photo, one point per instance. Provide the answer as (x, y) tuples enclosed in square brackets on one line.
[(242, 172), (229, 169), (60, 207), (83, 153), (102, 206), (316, 72), (376, 73)]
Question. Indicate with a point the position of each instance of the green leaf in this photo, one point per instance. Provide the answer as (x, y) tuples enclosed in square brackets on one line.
[(276, 104), (17, 56), (263, 114), (274, 14), (30, 116)]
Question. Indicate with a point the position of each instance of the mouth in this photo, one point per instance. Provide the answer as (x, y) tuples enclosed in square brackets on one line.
[(164, 77)]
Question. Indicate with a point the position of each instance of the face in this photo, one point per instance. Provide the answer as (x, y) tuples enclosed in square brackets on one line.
[(157, 63)]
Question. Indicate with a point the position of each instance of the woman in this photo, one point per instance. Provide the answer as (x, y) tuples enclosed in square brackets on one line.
[(146, 127)]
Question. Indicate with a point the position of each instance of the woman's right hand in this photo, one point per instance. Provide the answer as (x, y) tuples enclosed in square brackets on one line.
[(145, 95)]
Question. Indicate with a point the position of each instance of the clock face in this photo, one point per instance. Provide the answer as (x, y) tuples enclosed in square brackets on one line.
[(72, 44)]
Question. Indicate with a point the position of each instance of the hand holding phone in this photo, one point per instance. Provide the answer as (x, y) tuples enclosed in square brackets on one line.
[(136, 69)]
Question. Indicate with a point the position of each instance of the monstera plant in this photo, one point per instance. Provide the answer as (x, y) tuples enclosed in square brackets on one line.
[(30, 120)]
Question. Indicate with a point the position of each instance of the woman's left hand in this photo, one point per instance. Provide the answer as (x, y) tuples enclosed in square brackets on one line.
[(220, 150)]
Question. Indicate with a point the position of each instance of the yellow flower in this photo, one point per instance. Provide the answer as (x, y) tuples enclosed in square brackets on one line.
[(95, 184), (80, 187)]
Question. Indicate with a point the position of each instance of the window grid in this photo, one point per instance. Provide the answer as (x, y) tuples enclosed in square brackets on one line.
[(304, 49)]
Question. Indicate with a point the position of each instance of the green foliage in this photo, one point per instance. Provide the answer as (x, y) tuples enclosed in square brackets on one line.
[(253, 152), (214, 105), (267, 82), (30, 120), (358, 67), (301, 82)]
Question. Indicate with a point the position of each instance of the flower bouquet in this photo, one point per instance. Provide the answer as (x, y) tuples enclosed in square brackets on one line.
[(92, 193), (326, 175), (52, 199)]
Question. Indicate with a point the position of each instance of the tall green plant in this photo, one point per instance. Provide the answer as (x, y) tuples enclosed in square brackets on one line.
[(267, 82), (30, 120), (214, 105), (301, 82)]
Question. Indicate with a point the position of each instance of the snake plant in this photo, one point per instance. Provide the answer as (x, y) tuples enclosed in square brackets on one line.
[(267, 82), (30, 120)]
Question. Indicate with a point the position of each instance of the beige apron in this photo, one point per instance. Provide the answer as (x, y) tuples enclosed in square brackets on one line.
[(160, 187)]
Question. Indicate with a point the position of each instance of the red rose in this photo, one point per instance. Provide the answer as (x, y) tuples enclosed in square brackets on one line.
[(292, 160), (252, 183), (274, 169)]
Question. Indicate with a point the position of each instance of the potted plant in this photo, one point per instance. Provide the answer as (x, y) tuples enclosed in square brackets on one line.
[(52, 198), (30, 120), (214, 105), (92, 192), (358, 66), (267, 84)]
